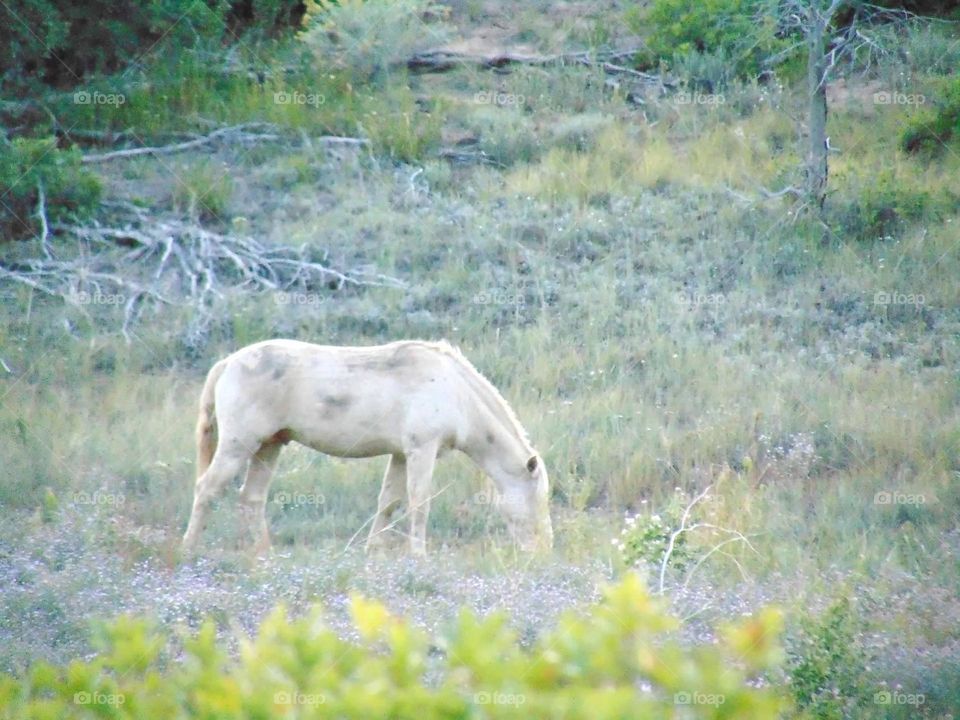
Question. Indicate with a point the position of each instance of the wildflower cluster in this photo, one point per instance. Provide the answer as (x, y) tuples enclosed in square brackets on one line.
[(645, 539)]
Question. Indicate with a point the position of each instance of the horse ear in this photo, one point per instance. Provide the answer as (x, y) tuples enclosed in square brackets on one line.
[(532, 464)]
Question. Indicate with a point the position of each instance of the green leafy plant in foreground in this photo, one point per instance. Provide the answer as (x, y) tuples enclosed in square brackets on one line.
[(617, 660)]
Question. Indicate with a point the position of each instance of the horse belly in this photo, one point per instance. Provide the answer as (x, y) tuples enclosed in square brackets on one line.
[(344, 425)]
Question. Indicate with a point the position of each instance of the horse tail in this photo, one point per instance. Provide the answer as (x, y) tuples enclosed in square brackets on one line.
[(207, 420)]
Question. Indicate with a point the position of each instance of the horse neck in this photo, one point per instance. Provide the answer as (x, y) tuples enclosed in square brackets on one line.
[(490, 419)]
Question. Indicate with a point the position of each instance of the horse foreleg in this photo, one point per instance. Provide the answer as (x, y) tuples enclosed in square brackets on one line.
[(253, 496), (392, 493), (222, 469), (420, 463)]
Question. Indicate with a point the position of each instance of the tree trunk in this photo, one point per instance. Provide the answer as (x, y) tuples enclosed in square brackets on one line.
[(816, 170)]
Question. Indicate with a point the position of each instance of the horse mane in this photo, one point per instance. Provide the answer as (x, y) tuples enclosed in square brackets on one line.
[(488, 387)]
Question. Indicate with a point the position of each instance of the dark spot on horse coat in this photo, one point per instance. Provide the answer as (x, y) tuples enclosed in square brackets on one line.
[(268, 360), (490, 438), (398, 359), (333, 404)]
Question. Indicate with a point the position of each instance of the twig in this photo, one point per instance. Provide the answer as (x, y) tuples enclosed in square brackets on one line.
[(42, 215), (337, 140), (393, 523), (234, 133), (737, 536), (676, 533)]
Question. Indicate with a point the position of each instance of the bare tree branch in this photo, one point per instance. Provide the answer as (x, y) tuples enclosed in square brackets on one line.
[(235, 133), (170, 261)]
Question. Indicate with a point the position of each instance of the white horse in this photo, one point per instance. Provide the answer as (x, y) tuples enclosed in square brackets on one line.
[(411, 400)]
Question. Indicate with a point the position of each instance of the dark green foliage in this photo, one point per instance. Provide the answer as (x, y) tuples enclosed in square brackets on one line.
[(61, 44), (933, 129), (887, 201), (827, 664), (96, 36), (743, 30), (26, 166)]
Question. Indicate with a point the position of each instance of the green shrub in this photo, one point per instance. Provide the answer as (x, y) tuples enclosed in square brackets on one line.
[(827, 664), (740, 29), (28, 165), (618, 660), (932, 130), (886, 201), (645, 539)]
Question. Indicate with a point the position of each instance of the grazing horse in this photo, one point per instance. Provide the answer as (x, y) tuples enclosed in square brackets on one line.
[(411, 400)]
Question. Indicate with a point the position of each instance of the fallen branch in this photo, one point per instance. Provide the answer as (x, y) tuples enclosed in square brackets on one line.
[(235, 133), (736, 536), (442, 59), (171, 261)]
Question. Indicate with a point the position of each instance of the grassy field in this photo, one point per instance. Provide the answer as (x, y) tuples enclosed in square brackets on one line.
[(615, 270)]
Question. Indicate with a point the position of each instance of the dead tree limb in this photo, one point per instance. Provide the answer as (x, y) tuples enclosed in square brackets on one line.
[(234, 133), (144, 259), (442, 59)]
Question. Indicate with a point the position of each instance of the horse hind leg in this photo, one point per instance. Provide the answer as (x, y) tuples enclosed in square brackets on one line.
[(392, 493), (253, 496), (228, 461)]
